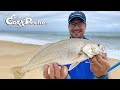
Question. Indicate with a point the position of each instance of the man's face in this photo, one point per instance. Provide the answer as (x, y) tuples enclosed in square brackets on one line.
[(77, 28)]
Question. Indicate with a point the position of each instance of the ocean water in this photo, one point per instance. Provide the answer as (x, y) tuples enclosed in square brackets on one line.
[(111, 40)]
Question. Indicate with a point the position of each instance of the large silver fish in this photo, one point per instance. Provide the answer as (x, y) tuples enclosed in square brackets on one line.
[(70, 51)]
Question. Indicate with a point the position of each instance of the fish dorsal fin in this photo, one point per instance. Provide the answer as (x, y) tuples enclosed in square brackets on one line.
[(38, 51), (73, 65)]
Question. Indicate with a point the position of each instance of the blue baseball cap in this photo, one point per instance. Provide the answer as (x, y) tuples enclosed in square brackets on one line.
[(77, 14)]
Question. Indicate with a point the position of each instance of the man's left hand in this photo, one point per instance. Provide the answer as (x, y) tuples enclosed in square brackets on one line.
[(99, 65)]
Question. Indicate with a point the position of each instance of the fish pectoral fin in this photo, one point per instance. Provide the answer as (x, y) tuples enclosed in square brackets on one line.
[(81, 57), (73, 65)]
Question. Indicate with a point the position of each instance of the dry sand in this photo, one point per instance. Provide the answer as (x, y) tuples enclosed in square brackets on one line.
[(15, 54)]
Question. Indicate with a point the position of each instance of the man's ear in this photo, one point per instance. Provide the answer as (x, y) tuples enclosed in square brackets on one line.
[(85, 25), (69, 27)]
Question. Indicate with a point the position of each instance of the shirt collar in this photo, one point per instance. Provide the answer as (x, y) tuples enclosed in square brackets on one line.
[(83, 38)]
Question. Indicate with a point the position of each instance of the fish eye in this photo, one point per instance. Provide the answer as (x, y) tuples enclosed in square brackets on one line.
[(98, 44)]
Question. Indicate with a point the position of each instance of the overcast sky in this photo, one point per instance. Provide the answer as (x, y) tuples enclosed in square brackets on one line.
[(58, 20)]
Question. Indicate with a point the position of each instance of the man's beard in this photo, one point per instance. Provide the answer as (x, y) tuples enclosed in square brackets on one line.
[(72, 36)]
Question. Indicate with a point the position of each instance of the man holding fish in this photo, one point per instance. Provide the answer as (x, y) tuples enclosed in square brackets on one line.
[(93, 68)]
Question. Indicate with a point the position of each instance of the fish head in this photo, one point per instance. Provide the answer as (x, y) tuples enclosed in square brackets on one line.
[(92, 49)]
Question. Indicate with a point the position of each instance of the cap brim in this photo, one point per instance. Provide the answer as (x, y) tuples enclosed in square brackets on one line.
[(77, 17)]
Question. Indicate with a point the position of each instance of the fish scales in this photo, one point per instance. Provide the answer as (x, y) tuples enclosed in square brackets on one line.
[(69, 51)]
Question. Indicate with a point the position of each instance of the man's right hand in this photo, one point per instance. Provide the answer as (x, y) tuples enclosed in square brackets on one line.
[(56, 72)]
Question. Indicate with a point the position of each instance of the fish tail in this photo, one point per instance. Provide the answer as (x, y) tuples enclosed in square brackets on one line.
[(17, 72)]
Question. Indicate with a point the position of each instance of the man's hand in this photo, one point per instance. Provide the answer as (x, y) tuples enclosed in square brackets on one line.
[(99, 65), (56, 72)]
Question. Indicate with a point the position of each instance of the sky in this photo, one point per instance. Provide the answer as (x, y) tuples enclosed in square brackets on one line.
[(97, 21)]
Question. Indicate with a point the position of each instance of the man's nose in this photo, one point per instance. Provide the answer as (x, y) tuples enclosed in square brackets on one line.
[(76, 27)]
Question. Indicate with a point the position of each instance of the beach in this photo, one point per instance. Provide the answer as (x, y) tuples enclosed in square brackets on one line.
[(21, 35), (16, 54)]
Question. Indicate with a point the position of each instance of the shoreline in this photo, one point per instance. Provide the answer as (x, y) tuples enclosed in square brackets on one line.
[(16, 54)]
